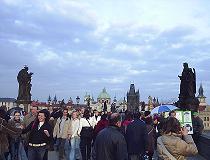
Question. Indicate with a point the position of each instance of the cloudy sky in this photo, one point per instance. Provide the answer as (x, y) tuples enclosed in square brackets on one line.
[(77, 46)]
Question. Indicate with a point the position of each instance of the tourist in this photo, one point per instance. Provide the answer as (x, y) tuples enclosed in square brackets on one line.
[(103, 123), (145, 115), (155, 125), (110, 144), (40, 135), (151, 137), (198, 127), (30, 117), (175, 143), (137, 138), (62, 131), (75, 139), (172, 114), (95, 118), (127, 121), (6, 129), (161, 122), (15, 141), (86, 135)]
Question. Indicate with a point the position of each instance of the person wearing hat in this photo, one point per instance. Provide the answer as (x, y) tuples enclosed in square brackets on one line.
[(40, 135), (198, 127)]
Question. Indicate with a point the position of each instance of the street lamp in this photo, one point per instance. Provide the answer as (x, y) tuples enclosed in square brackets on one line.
[(77, 100)]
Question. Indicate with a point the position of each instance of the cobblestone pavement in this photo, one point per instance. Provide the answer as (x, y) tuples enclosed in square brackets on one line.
[(53, 156)]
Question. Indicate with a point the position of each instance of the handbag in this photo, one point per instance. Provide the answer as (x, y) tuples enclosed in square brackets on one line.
[(165, 149), (87, 131)]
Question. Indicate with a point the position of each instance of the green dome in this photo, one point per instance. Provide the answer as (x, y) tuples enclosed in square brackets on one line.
[(104, 95)]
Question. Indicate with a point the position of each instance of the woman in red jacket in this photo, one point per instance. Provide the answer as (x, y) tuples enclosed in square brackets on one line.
[(103, 123)]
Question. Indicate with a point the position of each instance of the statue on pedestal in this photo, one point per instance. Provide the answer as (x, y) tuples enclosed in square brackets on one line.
[(24, 80), (187, 99)]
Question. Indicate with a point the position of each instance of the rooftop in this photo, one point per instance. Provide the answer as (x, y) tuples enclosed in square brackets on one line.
[(104, 95), (7, 99)]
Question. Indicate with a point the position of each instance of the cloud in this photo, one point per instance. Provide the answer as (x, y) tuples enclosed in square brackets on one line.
[(132, 49), (47, 56), (76, 40), (77, 46), (114, 80)]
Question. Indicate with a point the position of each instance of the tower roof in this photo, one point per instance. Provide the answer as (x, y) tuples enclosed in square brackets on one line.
[(49, 99), (104, 95), (55, 99), (132, 88)]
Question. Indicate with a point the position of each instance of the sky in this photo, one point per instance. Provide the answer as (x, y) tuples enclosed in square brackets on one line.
[(77, 46)]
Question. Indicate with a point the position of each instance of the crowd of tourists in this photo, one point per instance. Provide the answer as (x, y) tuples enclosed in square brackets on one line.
[(85, 135)]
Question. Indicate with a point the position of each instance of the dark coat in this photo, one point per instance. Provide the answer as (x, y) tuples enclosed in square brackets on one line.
[(137, 137), (110, 144), (37, 136), (5, 129), (151, 139)]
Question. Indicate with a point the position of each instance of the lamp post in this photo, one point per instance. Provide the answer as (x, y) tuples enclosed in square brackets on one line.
[(77, 100)]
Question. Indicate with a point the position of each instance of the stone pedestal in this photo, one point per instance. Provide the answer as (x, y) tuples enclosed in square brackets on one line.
[(191, 104), (24, 104)]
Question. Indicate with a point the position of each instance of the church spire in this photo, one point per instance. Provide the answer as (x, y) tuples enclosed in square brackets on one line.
[(49, 99), (55, 100)]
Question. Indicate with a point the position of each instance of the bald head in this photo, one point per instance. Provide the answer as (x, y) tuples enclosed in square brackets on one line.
[(115, 119)]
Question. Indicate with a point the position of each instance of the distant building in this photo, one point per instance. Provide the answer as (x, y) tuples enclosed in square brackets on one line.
[(40, 105), (8, 102), (133, 99), (123, 105), (149, 106), (204, 109), (104, 97), (104, 101), (205, 116)]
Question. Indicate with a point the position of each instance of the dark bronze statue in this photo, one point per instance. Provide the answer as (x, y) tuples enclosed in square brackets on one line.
[(24, 80), (187, 99), (188, 82)]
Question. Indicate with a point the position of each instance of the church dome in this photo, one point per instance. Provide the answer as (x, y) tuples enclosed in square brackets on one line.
[(104, 95)]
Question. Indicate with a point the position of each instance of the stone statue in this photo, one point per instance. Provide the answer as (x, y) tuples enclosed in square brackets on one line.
[(187, 99), (188, 82), (24, 80)]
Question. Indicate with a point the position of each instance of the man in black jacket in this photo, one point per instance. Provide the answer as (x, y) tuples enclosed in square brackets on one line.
[(110, 144), (136, 138)]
